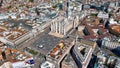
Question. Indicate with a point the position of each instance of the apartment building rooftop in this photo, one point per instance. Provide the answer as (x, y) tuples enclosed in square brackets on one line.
[(10, 32), (57, 54), (93, 28), (58, 50), (13, 32), (11, 55), (82, 52), (115, 29)]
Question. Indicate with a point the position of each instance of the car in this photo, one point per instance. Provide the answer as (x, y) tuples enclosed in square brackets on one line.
[(41, 46)]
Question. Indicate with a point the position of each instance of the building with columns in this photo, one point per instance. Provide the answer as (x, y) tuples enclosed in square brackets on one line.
[(61, 25)]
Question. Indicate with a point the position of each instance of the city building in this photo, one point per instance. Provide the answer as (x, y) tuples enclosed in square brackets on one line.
[(47, 65), (57, 54), (112, 21), (109, 44), (106, 61), (13, 35), (114, 29), (103, 15), (12, 58), (82, 52), (61, 25), (38, 26), (91, 28), (68, 62), (113, 46)]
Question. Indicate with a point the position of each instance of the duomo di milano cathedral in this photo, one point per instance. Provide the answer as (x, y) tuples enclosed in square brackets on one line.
[(61, 25)]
